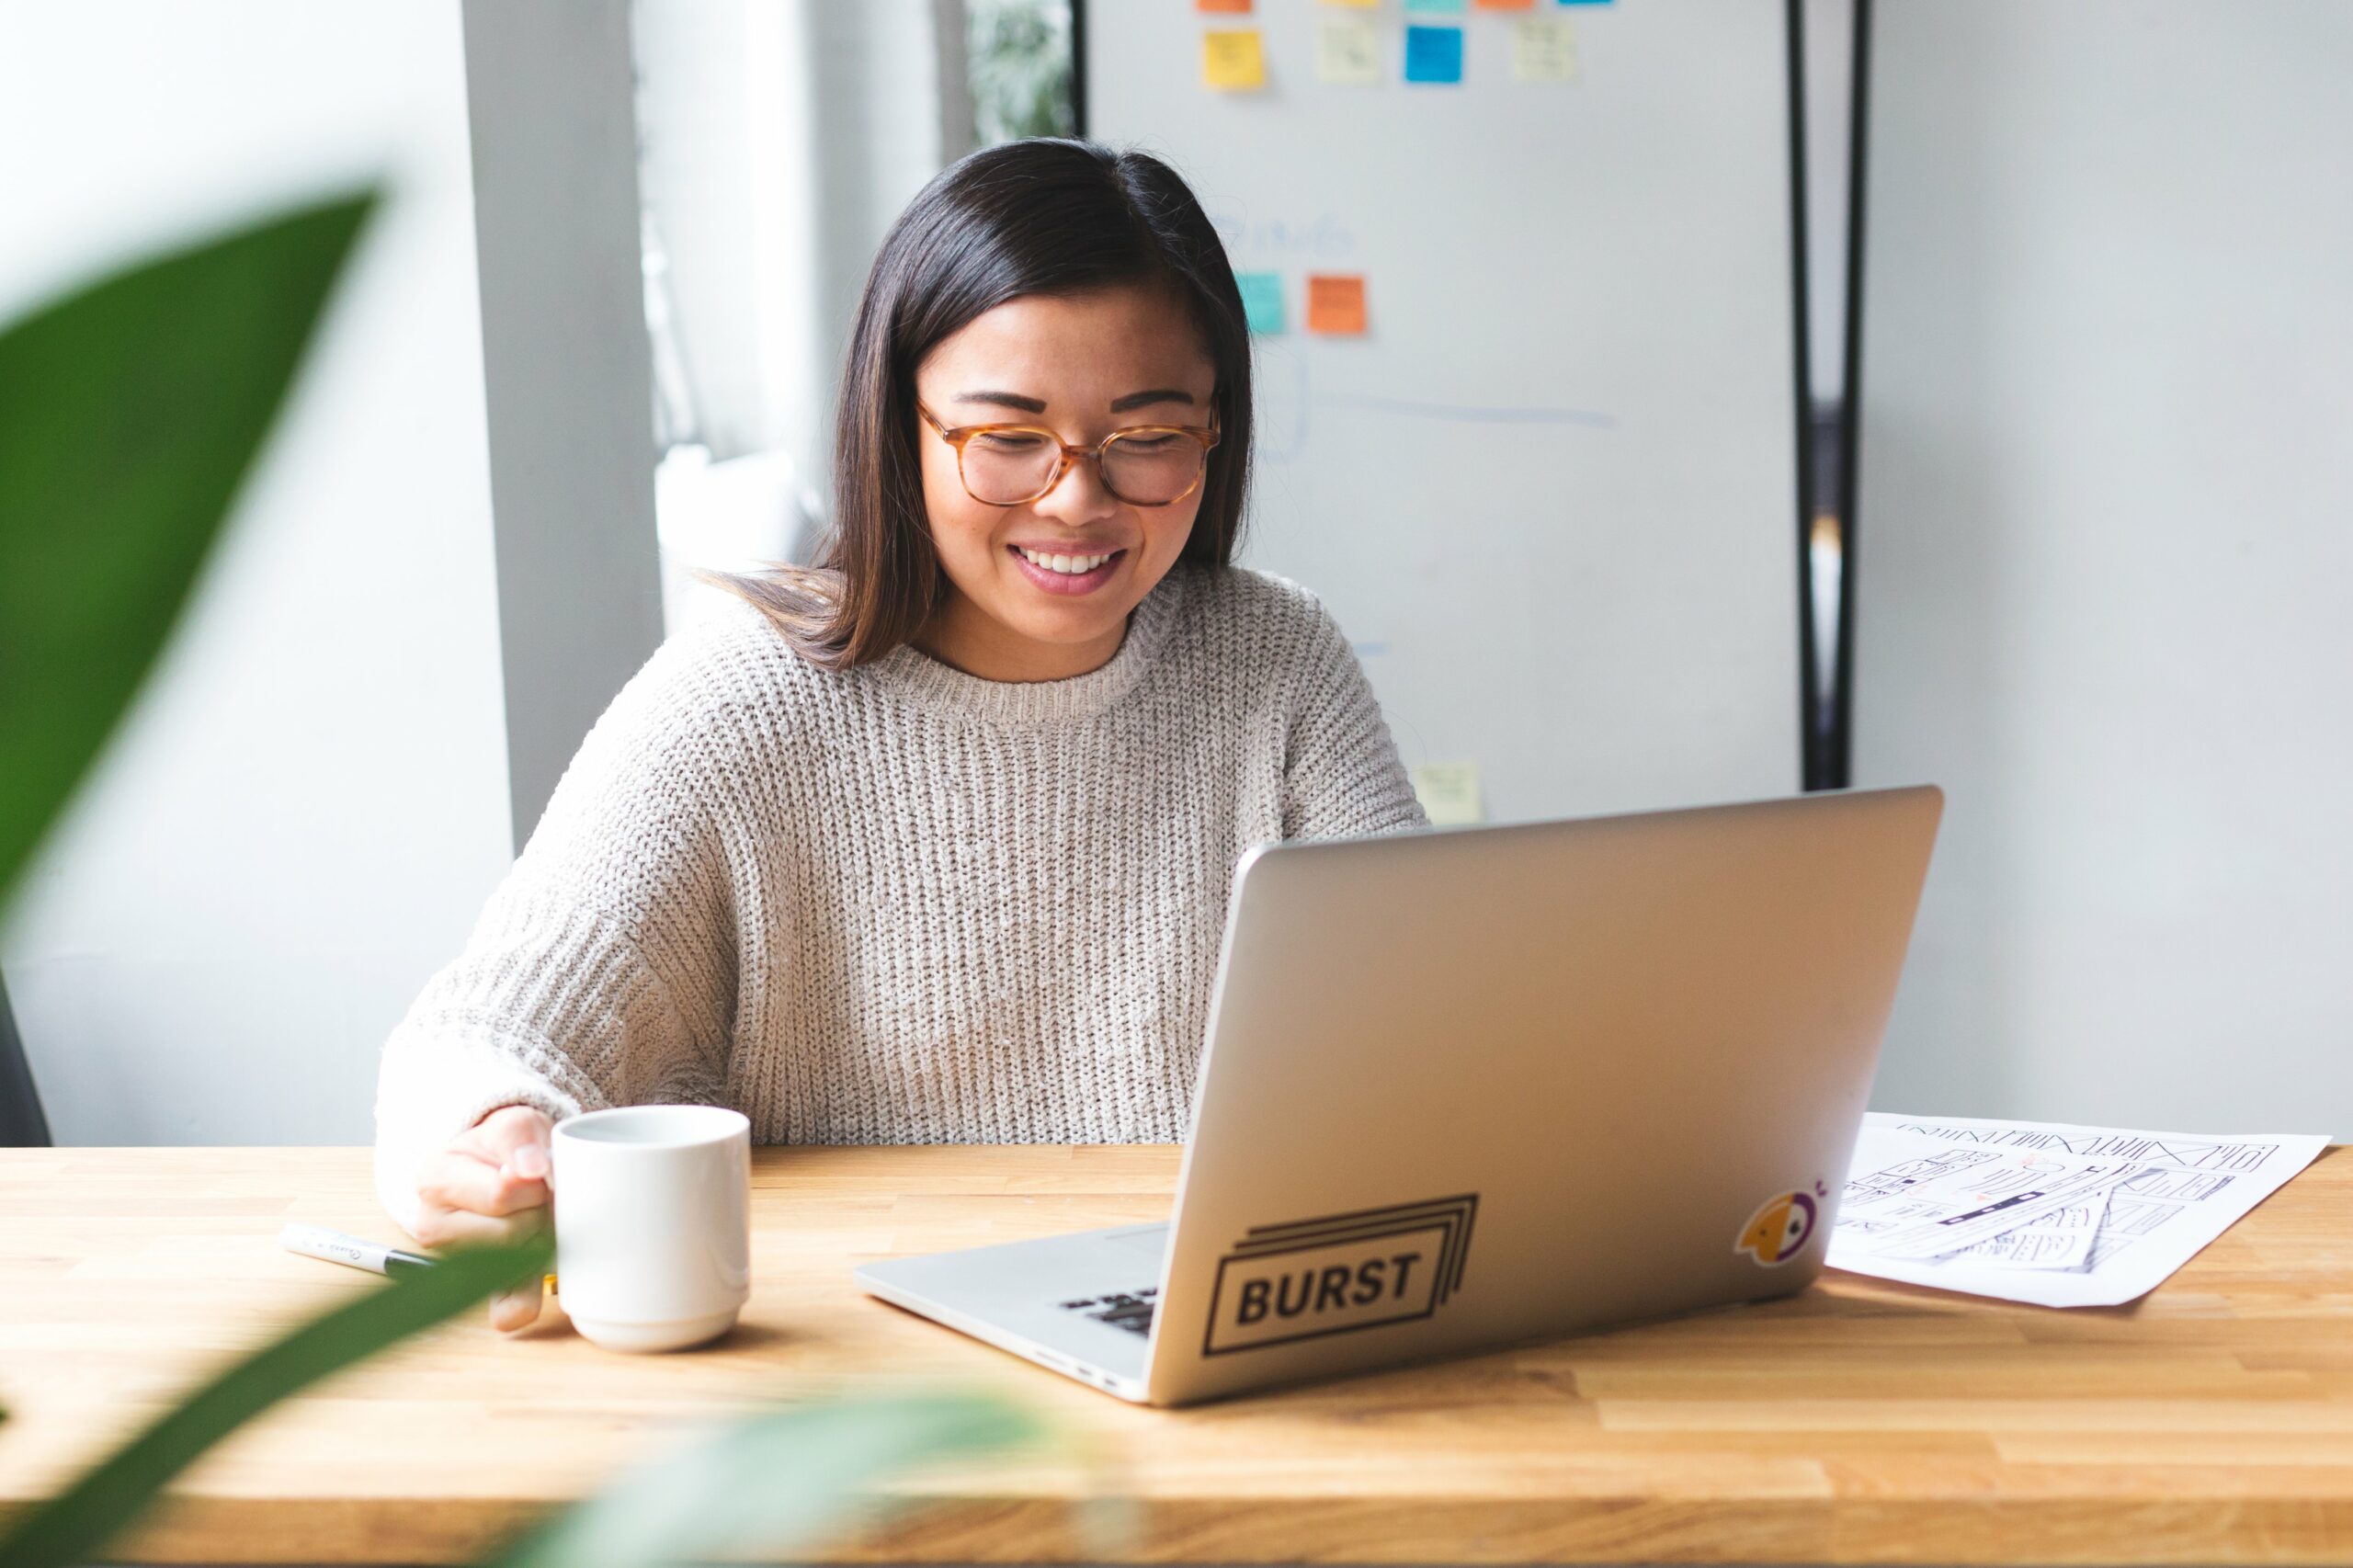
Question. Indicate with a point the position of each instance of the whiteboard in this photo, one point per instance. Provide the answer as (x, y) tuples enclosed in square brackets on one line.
[(2103, 546), (1553, 493)]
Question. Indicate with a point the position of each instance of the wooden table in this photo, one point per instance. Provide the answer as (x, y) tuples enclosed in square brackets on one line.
[(1860, 1423)]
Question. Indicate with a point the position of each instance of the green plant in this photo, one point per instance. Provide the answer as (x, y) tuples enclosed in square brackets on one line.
[(1019, 68), (778, 1482), (72, 1525), (130, 410), (129, 413)]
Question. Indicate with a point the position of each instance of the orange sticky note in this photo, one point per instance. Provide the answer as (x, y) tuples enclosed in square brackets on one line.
[(1233, 59), (1505, 5), (1335, 302), (1232, 7)]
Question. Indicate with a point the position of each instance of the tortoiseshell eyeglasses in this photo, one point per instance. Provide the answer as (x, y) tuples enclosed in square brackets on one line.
[(1012, 465)]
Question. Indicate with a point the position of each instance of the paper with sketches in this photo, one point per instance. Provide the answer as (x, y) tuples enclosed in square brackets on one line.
[(1922, 1199), (2046, 1212), (2060, 1239)]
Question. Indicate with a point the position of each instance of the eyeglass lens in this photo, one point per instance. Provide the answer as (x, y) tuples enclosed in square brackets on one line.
[(1006, 468)]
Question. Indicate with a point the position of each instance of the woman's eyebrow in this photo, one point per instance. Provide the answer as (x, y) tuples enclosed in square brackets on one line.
[(1010, 400), (1139, 400)]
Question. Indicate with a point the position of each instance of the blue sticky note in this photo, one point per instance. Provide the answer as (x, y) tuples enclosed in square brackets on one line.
[(1433, 55), (1434, 7), (1262, 300)]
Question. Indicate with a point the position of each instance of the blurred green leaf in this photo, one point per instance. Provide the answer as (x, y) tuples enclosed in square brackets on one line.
[(71, 1526), (130, 412), (772, 1483)]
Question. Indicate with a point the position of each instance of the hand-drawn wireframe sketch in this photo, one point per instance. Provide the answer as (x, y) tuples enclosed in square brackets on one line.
[(2127, 1221), (2023, 1204), (2034, 1246), (1955, 1200), (2161, 1198), (2154, 1148), (2157, 1181), (1909, 1174), (2061, 1239)]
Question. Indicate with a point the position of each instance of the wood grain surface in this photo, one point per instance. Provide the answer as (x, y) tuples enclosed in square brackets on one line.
[(1861, 1422)]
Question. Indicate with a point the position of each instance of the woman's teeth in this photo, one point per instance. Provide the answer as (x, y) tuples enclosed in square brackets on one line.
[(1070, 565)]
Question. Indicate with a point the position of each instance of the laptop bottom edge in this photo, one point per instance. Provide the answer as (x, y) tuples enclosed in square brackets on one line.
[(1119, 1387)]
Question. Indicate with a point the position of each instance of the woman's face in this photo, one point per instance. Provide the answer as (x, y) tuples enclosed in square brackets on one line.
[(1082, 366)]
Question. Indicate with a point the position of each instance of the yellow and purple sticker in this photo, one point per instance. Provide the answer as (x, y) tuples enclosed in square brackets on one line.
[(1781, 1226)]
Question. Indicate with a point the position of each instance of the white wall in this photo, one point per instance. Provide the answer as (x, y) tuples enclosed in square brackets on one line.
[(2104, 550), (310, 807)]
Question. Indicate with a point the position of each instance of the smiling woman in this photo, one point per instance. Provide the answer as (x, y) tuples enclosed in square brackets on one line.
[(1056, 286), (1046, 544), (931, 841)]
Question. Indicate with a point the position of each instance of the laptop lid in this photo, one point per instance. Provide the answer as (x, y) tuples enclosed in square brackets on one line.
[(1474, 1087)]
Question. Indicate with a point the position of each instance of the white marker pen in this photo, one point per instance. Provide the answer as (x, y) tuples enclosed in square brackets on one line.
[(317, 1241)]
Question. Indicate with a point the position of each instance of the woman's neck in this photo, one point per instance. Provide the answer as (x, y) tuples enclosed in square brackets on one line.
[(960, 636)]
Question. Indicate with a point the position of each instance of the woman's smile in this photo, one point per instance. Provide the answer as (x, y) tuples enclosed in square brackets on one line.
[(1065, 571)]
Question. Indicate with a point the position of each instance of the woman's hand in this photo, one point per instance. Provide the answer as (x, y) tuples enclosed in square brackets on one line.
[(490, 1185)]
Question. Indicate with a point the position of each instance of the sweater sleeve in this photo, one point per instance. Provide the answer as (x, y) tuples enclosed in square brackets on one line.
[(1342, 777), (602, 970)]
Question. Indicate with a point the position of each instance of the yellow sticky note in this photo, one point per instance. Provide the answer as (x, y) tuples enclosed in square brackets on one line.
[(1233, 59), (1347, 51), (1544, 49), (1449, 793), (1355, 5)]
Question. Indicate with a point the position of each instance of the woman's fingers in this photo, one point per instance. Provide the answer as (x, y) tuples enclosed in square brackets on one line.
[(456, 1180), (513, 1137), (517, 1308), (491, 1185), (437, 1226)]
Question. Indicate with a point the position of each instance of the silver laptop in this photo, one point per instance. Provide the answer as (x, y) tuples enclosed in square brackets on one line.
[(1468, 1088)]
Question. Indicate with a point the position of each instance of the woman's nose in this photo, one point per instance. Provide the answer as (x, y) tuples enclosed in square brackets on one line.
[(1080, 498)]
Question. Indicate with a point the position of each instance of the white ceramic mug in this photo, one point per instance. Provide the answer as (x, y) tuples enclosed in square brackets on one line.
[(654, 1223)]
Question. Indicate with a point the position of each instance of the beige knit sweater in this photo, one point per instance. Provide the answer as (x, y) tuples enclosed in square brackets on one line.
[(899, 904)]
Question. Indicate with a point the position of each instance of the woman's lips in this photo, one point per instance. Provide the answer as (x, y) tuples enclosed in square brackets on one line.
[(1054, 582)]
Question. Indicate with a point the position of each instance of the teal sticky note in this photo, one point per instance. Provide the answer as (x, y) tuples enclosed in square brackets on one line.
[(1262, 300), (1434, 7), (1433, 55)]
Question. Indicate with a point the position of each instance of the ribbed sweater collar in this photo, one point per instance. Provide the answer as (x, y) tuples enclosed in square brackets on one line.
[(915, 677)]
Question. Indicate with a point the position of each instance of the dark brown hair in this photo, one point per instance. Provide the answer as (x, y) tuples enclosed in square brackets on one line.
[(1046, 216)]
